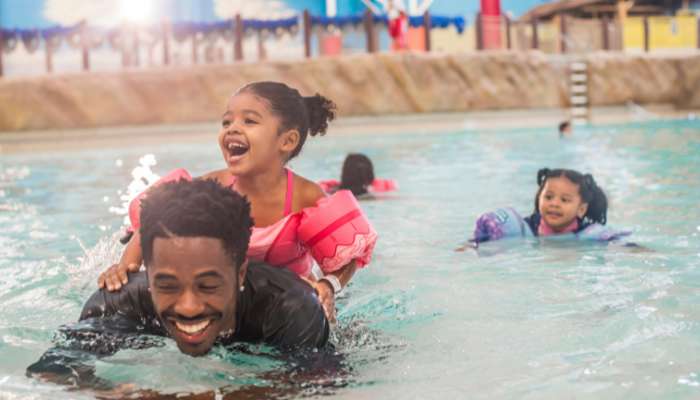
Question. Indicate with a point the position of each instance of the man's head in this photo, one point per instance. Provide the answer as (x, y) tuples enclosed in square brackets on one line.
[(194, 238)]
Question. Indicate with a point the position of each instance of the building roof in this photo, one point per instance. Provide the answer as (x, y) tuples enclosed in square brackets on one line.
[(546, 11)]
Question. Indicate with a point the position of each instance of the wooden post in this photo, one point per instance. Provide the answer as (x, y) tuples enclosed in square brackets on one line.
[(135, 48), (85, 45), (262, 53), (605, 23), (238, 38), (535, 37), (623, 7), (166, 41), (509, 44), (369, 31), (479, 33), (562, 33), (123, 32), (195, 49), (307, 34), (49, 55), (2, 41), (646, 33), (428, 26)]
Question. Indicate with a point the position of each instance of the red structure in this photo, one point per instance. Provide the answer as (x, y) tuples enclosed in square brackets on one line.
[(398, 30), (491, 24)]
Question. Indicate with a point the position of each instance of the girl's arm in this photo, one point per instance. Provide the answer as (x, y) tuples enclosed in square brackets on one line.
[(326, 293), (345, 273), (312, 193)]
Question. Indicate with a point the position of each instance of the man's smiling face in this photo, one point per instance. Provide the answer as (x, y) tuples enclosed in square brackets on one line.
[(194, 285)]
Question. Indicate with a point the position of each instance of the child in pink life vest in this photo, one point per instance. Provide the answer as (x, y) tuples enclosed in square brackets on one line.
[(265, 124), (358, 177)]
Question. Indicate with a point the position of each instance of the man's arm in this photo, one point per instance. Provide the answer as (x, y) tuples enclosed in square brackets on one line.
[(109, 321), (132, 301)]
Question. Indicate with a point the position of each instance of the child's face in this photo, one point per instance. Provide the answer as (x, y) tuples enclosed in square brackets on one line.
[(560, 203), (249, 138)]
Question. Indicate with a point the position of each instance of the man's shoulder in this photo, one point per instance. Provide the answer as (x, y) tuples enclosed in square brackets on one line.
[(282, 308), (260, 275), (132, 301)]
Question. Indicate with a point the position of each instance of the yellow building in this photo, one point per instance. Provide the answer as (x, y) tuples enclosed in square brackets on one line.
[(632, 25)]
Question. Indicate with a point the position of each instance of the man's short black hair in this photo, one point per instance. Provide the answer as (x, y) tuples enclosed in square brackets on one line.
[(199, 208)]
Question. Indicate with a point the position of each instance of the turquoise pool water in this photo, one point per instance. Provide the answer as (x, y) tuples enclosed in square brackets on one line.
[(548, 319)]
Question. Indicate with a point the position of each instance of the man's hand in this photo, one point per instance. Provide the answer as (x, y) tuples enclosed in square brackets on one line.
[(114, 277)]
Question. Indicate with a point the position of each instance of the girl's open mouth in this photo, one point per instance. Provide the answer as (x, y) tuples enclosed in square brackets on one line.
[(237, 149)]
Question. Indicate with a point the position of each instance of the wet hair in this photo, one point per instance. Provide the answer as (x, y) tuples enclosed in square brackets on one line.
[(307, 114), (358, 173), (563, 126), (589, 191), (199, 208)]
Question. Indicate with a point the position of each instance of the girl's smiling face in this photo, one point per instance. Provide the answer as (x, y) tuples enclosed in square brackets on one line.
[(249, 137), (560, 203)]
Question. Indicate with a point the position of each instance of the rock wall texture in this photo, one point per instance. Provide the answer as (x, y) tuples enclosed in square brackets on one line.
[(360, 85)]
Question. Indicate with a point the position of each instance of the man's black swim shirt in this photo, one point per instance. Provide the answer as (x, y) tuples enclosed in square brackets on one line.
[(276, 308)]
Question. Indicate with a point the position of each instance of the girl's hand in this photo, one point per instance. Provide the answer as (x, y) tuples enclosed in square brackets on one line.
[(115, 276), (326, 296)]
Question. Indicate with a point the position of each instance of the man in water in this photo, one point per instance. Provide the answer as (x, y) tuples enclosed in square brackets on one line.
[(197, 289)]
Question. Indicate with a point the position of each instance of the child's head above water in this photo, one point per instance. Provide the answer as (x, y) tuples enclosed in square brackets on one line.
[(268, 122), (358, 173), (565, 196), (564, 128)]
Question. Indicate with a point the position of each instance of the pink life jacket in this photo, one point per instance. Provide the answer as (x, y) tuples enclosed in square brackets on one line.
[(333, 233), (378, 185)]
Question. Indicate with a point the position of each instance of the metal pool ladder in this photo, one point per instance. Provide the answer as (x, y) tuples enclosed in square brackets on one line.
[(578, 88)]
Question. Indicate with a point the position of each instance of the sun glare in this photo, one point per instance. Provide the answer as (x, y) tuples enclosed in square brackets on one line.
[(135, 10)]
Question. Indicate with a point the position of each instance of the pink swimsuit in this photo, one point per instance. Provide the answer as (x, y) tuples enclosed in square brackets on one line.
[(546, 230), (264, 239), (333, 232)]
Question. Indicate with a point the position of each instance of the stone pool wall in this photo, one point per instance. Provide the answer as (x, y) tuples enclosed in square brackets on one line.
[(359, 84)]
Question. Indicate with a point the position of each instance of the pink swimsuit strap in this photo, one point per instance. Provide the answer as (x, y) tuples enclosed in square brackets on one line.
[(290, 193), (288, 197), (546, 230)]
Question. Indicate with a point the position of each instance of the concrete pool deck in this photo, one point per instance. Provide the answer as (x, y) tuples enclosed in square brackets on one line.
[(46, 140)]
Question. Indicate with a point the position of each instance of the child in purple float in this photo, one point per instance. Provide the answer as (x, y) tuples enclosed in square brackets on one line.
[(566, 202)]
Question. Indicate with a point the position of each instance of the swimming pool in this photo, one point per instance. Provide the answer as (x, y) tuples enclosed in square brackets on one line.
[(549, 319)]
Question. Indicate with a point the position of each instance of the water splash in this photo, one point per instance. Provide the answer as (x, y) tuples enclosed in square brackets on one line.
[(83, 275), (142, 178)]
